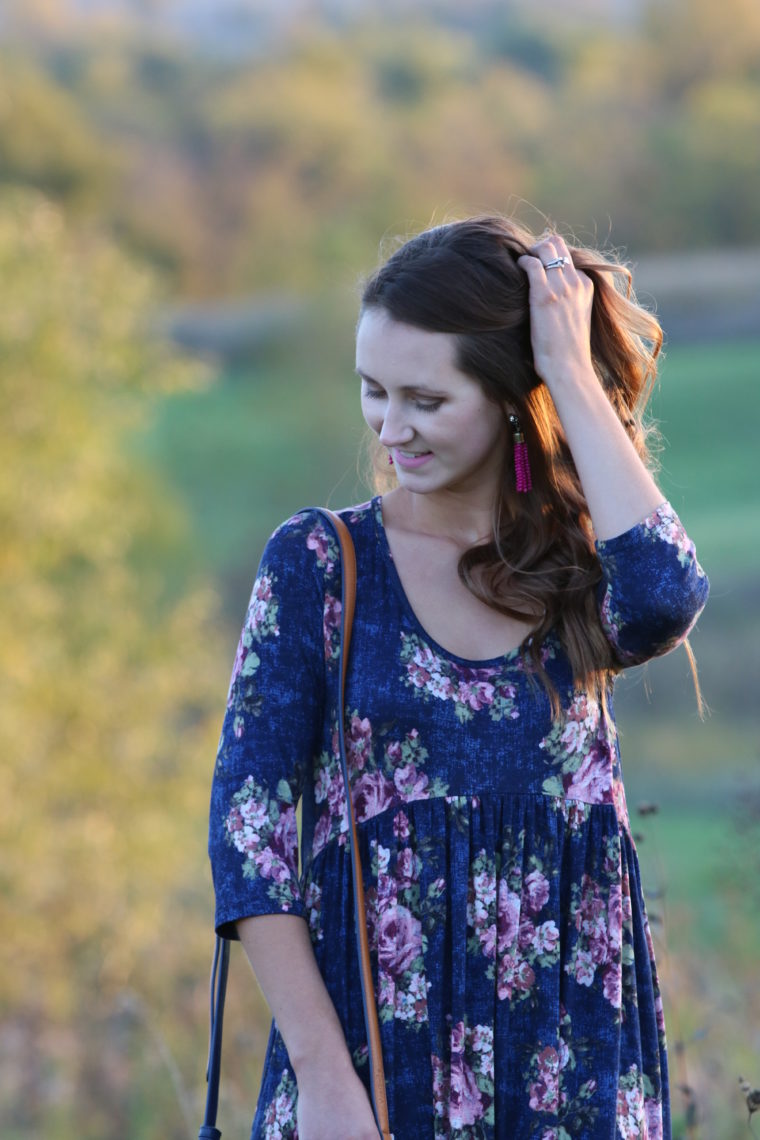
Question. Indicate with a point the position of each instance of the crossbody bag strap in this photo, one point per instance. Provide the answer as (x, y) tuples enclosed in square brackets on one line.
[(371, 1020), (219, 970)]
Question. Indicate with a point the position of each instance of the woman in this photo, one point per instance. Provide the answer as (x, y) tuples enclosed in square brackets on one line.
[(498, 595)]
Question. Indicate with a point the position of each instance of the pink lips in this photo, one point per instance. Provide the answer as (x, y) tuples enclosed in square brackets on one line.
[(408, 462)]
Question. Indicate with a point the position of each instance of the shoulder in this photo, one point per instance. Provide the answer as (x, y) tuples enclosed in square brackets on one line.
[(307, 541), (314, 527), (362, 516)]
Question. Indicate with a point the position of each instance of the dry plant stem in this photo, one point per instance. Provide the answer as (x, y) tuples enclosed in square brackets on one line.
[(134, 1002), (684, 1084)]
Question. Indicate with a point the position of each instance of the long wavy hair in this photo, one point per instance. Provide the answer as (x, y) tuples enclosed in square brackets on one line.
[(462, 278)]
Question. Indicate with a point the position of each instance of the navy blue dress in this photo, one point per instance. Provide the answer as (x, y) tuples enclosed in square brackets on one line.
[(515, 978)]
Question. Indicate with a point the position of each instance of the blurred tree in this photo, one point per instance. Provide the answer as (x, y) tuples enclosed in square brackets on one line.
[(694, 41), (109, 673), (284, 167), (46, 140)]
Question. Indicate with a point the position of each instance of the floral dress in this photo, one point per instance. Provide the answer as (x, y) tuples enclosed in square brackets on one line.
[(515, 980)]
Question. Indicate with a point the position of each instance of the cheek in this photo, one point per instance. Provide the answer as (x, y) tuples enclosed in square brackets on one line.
[(486, 429), (372, 415)]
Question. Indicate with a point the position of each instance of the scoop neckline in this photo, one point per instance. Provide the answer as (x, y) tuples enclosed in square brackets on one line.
[(467, 662)]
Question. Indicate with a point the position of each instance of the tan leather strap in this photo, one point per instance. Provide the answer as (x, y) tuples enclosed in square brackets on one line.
[(348, 602)]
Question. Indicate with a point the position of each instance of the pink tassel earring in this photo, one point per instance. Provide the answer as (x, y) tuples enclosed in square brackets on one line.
[(523, 481)]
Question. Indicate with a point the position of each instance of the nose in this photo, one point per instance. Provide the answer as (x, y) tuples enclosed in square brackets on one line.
[(395, 430)]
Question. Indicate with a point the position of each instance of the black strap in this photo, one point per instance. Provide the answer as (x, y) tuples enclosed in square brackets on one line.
[(218, 988)]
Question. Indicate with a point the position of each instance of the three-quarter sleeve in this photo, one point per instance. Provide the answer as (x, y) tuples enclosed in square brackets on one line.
[(653, 588), (270, 732)]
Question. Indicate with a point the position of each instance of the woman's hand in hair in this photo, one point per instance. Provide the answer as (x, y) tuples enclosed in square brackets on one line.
[(560, 313), (618, 487)]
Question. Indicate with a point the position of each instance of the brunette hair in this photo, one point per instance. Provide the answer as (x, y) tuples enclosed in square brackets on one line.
[(463, 279)]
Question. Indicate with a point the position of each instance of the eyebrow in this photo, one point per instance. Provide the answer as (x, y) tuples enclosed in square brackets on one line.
[(404, 387)]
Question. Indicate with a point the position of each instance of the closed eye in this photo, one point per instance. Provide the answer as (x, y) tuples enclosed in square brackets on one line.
[(421, 405)]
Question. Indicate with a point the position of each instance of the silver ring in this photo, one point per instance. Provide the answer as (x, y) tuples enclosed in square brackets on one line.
[(557, 263)]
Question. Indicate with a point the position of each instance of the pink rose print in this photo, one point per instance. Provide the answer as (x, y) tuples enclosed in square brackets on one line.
[(395, 930), (408, 866), (322, 832), (615, 917), (371, 794), (280, 1116), (260, 606), (263, 829), (601, 926), (410, 783), (502, 915), (484, 886), (401, 829), (465, 1101), (399, 939), (584, 968), (545, 1091), (313, 902), (333, 609), (592, 783), (621, 807), (583, 753), (358, 743), (475, 694), (665, 525), (546, 938), (481, 1042), (463, 1089), (630, 1111), (470, 690), (509, 917), (612, 984), (260, 623), (240, 656), (386, 991), (324, 546), (653, 1118), (535, 891)]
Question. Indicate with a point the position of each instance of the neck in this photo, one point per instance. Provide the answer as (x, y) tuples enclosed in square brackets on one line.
[(464, 518)]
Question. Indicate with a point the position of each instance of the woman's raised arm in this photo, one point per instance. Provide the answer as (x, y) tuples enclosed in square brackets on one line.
[(619, 489)]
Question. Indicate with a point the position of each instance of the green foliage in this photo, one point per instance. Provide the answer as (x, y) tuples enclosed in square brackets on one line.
[(110, 688), (285, 167), (45, 138)]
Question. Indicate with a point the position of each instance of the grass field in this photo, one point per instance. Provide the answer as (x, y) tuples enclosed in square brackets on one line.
[(707, 405), (262, 442), (285, 432)]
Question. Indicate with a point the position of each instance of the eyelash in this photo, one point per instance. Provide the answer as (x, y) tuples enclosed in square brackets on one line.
[(376, 394)]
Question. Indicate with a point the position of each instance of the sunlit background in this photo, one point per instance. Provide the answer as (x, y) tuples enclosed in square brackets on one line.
[(189, 194)]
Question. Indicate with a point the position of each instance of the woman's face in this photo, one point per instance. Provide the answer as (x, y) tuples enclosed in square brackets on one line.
[(441, 430)]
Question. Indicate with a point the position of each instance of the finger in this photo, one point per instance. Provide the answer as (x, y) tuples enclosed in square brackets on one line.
[(563, 250), (544, 283), (545, 250), (572, 274), (534, 267), (552, 249)]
